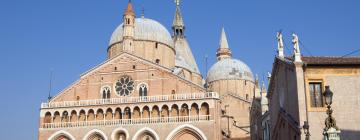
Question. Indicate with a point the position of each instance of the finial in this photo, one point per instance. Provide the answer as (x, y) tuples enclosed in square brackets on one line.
[(143, 12), (177, 2)]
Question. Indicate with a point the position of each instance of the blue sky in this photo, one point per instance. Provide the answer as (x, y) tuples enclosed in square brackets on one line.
[(71, 36)]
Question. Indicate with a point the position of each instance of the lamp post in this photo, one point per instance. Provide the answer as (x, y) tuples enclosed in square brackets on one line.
[(331, 131)]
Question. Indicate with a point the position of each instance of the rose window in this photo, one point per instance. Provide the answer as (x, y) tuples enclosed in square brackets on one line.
[(124, 86)]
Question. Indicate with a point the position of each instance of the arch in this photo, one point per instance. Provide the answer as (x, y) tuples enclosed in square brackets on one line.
[(204, 110), (155, 113), (91, 115), (60, 133), (73, 116), (115, 136), (164, 111), (174, 110), (109, 114), (65, 117), (136, 113), (57, 117), (194, 110), (105, 92), (184, 110), (147, 131), (117, 114), (146, 112), (186, 128), (99, 114), (143, 89), (95, 133), (127, 113), (82, 115), (47, 118)]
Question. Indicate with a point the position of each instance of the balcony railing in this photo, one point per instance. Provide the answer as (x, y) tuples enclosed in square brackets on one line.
[(174, 97), (179, 119)]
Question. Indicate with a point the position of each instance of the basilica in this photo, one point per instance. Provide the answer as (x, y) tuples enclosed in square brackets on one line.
[(150, 88)]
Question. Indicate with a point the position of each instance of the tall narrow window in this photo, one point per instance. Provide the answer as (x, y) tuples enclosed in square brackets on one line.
[(105, 92), (143, 90), (156, 45), (316, 97)]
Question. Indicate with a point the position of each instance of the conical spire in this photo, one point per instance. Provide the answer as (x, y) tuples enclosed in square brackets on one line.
[(178, 23), (178, 20), (223, 40), (223, 50), (129, 9)]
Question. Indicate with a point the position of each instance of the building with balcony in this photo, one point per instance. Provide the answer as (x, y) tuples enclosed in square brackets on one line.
[(150, 88)]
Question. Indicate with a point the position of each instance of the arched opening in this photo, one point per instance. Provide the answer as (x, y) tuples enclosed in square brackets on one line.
[(174, 111), (146, 112), (186, 132), (136, 113), (120, 136), (155, 113), (109, 114), (61, 135), (184, 111), (143, 90), (194, 110), (91, 115), (65, 117), (95, 136), (127, 113), (164, 112), (146, 134), (57, 118), (204, 111), (100, 114), (47, 118), (73, 116), (105, 92), (117, 115), (82, 115)]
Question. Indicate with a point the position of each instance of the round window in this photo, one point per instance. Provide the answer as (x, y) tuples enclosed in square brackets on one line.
[(124, 86)]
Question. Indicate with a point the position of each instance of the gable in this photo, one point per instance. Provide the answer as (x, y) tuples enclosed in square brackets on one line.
[(142, 72)]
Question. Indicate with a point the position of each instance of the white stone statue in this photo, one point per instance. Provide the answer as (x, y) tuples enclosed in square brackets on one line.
[(297, 54), (280, 40), (295, 41), (280, 44)]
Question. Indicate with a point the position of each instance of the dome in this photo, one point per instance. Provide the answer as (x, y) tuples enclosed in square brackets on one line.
[(184, 56), (145, 29), (229, 69)]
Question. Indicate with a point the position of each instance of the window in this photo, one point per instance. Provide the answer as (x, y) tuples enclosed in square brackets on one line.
[(134, 67), (316, 97), (124, 86), (105, 92), (143, 90), (157, 61), (156, 45)]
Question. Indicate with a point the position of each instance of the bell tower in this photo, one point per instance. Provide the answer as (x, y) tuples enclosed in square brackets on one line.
[(128, 28)]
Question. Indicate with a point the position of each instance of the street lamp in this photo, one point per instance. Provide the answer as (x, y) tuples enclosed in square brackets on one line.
[(328, 95), (331, 131)]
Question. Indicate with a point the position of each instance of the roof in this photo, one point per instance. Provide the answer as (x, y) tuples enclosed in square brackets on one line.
[(229, 69), (145, 29), (330, 60), (184, 57)]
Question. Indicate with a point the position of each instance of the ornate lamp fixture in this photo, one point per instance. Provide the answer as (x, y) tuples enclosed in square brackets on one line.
[(331, 131)]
